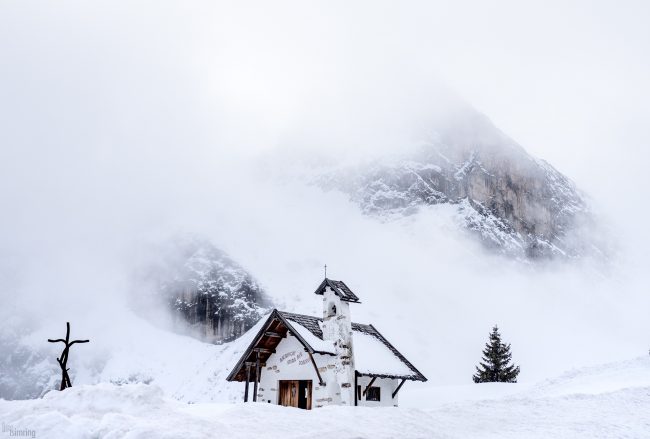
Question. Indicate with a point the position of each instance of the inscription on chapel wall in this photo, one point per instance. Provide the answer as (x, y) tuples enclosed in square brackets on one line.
[(287, 355), (293, 356)]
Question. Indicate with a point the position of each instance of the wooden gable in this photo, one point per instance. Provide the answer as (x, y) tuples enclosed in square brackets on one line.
[(264, 344)]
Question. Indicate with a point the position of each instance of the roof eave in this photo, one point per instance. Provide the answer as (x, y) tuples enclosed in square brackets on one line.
[(328, 283), (418, 377), (252, 344), (322, 285), (296, 334), (401, 356), (325, 353)]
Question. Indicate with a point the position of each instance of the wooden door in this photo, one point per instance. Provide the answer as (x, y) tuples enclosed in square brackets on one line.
[(288, 393), (295, 393)]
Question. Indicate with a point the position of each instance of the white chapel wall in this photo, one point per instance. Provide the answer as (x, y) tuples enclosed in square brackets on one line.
[(291, 362), (387, 387)]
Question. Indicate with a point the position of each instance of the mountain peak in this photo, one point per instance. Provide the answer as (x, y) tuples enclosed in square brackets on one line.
[(514, 203)]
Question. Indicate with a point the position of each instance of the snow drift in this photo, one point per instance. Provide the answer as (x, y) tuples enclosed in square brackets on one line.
[(606, 401)]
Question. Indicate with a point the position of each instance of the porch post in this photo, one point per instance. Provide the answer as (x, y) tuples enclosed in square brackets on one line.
[(257, 377), (356, 392), (248, 378)]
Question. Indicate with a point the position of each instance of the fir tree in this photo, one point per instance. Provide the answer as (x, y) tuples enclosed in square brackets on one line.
[(496, 365)]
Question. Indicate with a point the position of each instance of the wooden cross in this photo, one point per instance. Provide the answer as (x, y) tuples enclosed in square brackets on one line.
[(63, 361)]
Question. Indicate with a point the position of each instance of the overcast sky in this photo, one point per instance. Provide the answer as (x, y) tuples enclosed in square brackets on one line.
[(164, 83), (121, 120), (119, 102)]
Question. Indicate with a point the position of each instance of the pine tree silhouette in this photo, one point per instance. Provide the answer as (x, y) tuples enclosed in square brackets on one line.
[(495, 365)]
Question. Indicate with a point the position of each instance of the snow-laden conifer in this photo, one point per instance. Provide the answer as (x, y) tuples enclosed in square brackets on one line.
[(496, 364)]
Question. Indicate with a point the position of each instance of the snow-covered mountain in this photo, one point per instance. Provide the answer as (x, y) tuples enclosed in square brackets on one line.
[(513, 202), (214, 294), (25, 369)]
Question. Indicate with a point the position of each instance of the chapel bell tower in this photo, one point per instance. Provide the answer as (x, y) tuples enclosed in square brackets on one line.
[(337, 327)]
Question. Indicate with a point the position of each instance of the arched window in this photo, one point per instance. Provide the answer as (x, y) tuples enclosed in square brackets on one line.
[(331, 310)]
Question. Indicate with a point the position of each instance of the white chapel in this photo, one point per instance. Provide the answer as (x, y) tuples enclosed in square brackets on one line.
[(308, 362)]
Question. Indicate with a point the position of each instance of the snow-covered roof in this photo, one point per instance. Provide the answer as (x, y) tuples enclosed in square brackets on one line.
[(269, 334), (373, 354), (319, 345), (340, 289), (372, 357), (310, 322)]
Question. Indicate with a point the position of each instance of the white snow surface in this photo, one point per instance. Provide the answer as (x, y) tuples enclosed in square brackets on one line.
[(315, 342), (372, 356), (607, 401)]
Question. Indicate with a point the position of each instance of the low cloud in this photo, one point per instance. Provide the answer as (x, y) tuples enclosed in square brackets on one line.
[(122, 125)]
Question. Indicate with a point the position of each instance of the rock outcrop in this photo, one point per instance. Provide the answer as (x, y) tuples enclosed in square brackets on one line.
[(515, 203), (211, 292)]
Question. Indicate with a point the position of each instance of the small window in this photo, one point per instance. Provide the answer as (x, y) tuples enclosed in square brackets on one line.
[(331, 310), (373, 394)]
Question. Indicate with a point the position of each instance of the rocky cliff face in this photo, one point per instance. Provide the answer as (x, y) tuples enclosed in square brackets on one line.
[(211, 292), (513, 202)]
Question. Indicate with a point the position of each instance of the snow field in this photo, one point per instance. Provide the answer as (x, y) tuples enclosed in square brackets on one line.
[(608, 401)]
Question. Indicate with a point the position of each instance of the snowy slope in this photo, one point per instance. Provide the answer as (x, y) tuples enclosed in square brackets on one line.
[(136, 351), (608, 401)]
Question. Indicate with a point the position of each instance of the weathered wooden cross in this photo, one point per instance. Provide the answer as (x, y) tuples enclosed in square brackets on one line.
[(63, 361)]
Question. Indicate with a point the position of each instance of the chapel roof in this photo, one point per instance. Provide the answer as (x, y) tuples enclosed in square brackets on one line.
[(374, 355), (340, 289), (371, 357)]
